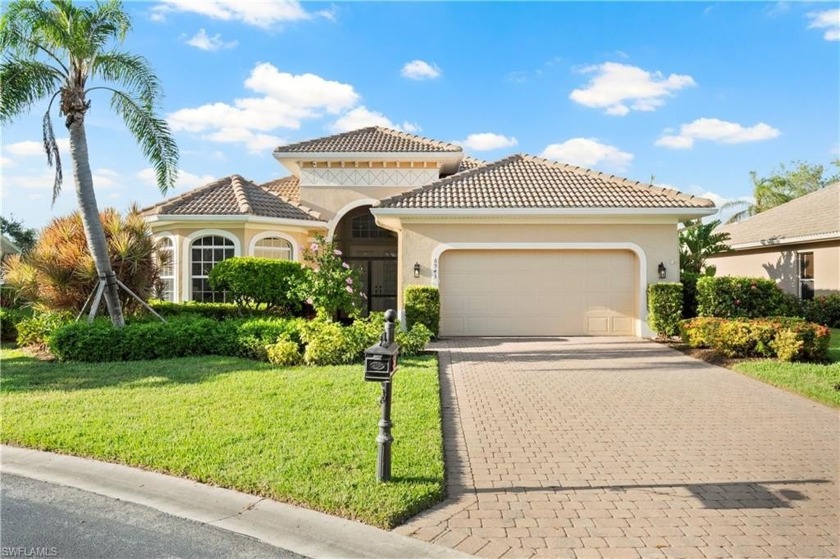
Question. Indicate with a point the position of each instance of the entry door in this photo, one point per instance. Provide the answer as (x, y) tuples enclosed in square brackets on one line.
[(379, 282)]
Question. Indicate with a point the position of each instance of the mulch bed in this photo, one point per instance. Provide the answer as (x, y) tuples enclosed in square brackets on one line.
[(708, 355)]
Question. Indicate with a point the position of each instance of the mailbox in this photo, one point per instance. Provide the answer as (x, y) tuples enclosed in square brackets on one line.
[(381, 361)]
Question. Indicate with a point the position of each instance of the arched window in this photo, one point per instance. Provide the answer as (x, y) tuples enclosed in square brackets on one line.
[(364, 227), (165, 290), (274, 248), (206, 252)]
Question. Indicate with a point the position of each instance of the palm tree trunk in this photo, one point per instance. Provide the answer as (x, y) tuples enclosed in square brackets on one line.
[(90, 217)]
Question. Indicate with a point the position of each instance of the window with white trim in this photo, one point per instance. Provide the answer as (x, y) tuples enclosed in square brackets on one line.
[(275, 248), (165, 290), (206, 252), (806, 275)]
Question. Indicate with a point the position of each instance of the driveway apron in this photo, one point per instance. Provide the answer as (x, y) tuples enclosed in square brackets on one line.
[(618, 447)]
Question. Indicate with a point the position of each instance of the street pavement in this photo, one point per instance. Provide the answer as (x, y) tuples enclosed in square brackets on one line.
[(49, 520)]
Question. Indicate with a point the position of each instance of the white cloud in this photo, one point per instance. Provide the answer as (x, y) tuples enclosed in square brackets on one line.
[(362, 117), (286, 100), (420, 70), (203, 41), (588, 152), (185, 180), (619, 88), (29, 148), (259, 14), (6, 162), (828, 20), (487, 141), (716, 130)]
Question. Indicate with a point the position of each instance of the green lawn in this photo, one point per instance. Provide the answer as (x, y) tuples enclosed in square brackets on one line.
[(816, 381), (299, 435)]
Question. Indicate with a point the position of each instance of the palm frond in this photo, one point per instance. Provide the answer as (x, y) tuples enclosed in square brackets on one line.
[(53, 154), (131, 72), (25, 82), (28, 28), (153, 136)]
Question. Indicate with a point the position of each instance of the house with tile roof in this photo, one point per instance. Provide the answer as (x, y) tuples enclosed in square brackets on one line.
[(797, 244), (519, 246)]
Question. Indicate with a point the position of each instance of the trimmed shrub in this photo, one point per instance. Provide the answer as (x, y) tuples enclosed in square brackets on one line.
[(665, 308), (787, 338), (9, 320), (179, 337), (261, 283), (824, 310), (330, 343), (38, 328), (689, 294), (422, 306), (216, 311), (736, 297), (413, 341), (284, 353)]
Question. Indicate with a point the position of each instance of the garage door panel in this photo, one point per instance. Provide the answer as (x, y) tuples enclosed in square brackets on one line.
[(529, 293)]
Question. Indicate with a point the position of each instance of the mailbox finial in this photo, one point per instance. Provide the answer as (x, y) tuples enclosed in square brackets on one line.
[(390, 315)]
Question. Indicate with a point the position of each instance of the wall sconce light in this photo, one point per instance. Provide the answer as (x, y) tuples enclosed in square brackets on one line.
[(663, 273), (417, 270)]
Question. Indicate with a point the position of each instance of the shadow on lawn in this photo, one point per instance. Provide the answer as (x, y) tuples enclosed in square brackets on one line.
[(27, 374)]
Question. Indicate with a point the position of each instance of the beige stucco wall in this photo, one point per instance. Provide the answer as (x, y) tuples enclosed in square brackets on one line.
[(243, 235), (781, 264), (419, 243), (330, 201)]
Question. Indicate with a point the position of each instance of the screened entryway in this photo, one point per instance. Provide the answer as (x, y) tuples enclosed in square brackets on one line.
[(373, 252)]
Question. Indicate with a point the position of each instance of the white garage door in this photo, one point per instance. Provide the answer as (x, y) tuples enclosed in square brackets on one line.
[(538, 293)]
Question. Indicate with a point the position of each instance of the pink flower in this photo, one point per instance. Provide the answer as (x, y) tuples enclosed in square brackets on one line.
[(349, 289), (345, 265), (349, 281), (364, 296), (337, 252), (310, 301), (314, 246)]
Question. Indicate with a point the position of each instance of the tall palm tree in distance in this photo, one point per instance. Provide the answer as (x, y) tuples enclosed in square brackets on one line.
[(60, 54)]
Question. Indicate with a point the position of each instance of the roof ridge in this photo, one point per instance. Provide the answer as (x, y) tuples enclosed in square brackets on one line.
[(241, 194), (184, 197), (669, 192), (382, 129), (444, 181), (417, 138)]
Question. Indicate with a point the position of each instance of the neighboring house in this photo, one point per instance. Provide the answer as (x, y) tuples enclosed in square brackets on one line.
[(520, 246), (796, 244)]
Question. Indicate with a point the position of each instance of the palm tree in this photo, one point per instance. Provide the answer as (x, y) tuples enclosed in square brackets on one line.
[(698, 241), (66, 52), (780, 187)]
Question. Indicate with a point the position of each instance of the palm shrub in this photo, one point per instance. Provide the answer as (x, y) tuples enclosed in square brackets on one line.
[(59, 273)]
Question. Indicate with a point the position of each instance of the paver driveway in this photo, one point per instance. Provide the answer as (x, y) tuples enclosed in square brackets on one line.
[(616, 447)]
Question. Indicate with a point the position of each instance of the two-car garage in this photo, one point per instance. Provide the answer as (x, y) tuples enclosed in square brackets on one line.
[(538, 292)]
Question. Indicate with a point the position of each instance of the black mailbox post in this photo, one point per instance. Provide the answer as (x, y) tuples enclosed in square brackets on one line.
[(380, 366)]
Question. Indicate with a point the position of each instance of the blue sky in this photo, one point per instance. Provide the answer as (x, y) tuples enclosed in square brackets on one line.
[(694, 94)]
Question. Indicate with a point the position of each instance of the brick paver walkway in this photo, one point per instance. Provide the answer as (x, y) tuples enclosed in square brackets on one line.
[(605, 447)]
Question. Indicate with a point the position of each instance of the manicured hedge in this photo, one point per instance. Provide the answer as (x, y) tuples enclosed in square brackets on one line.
[(786, 338), (738, 297), (261, 283), (40, 326), (665, 302), (281, 341), (179, 337), (422, 306), (823, 310), (9, 320), (216, 311)]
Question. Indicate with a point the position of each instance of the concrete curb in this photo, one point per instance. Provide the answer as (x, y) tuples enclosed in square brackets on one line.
[(299, 530)]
